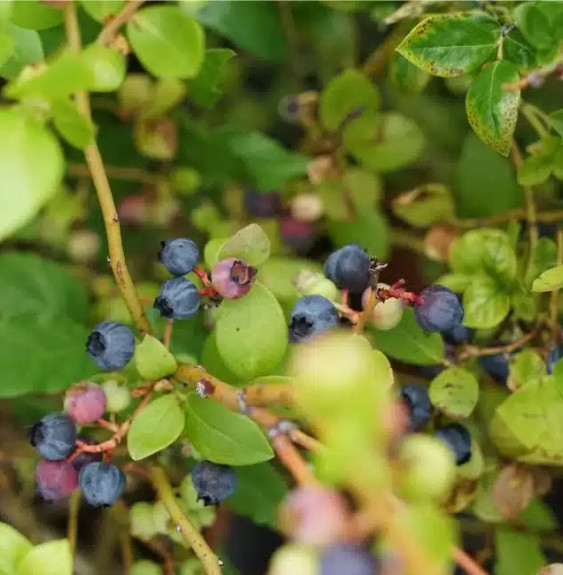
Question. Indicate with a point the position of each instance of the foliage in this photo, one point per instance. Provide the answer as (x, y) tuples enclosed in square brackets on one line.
[(255, 129)]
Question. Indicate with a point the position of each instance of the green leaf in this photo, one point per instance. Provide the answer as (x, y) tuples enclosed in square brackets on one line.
[(254, 27), (385, 142), (212, 249), (260, 491), (268, 163), (31, 163), (451, 44), (107, 66), (455, 392), (556, 121), (33, 286), (102, 10), (517, 552), (543, 258), (153, 360), (27, 49), (35, 15), (549, 280), (534, 25), (456, 282), (156, 427), (51, 558), (518, 50), (222, 436), (407, 342), (66, 74), (406, 76), (13, 546), (479, 171), (485, 304), (252, 333), (6, 47), (71, 124), (250, 244), (347, 96), (41, 356), (485, 250), (491, 110), (204, 89), (425, 205), (214, 363), (535, 170), (525, 366), (369, 229), (168, 43)]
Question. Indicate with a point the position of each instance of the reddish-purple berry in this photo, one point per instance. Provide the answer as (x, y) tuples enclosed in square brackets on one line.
[(85, 402), (55, 479), (85, 457), (297, 234), (232, 278)]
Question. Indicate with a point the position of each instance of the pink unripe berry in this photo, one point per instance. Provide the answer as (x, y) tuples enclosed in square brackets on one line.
[(55, 479), (315, 515), (297, 234), (386, 314), (133, 210), (85, 402), (232, 278)]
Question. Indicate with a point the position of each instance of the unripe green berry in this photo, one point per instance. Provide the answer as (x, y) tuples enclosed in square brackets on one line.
[(309, 283), (386, 314), (429, 468), (295, 559), (118, 397)]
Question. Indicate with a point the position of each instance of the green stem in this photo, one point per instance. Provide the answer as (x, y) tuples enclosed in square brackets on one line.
[(72, 526), (534, 117), (189, 533)]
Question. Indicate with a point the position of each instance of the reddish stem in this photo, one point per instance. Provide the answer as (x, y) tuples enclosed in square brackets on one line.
[(203, 276)]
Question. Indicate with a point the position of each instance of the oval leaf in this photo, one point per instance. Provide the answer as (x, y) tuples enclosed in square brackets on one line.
[(550, 280), (52, 558), (108, 68), (451, 45), (454, 392), (31, 163), (13, 546), (250, 244), (492, 111), (155, 428), (484, 303), (407, 342), (168, 43), (223, 436), (153, 360), (71, 124), (252, 333)]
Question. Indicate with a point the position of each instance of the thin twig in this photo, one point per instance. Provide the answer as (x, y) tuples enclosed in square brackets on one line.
[(366, 313), (167, 337), (466, 562), (554, 299), (105, 197), (72, 525), (515, 214), (125, 173), (109, 31), (189, 533), (473, 351)]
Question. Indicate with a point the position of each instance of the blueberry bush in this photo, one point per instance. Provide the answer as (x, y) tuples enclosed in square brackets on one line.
[(279, 287)]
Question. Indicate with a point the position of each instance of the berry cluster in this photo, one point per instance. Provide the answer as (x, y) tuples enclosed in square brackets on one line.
[(55, 438)]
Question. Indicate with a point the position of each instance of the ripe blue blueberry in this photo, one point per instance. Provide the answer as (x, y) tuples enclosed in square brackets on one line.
[(496, 365), (101, 484), (441, 310), (348, 268), (418, 403), (458, 334), (179, 255), (55, 479), (349, 559), (458, 439), (111, 345), (554, 355), (311, 314), (53, 436), (213, 482), (178, 299)]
